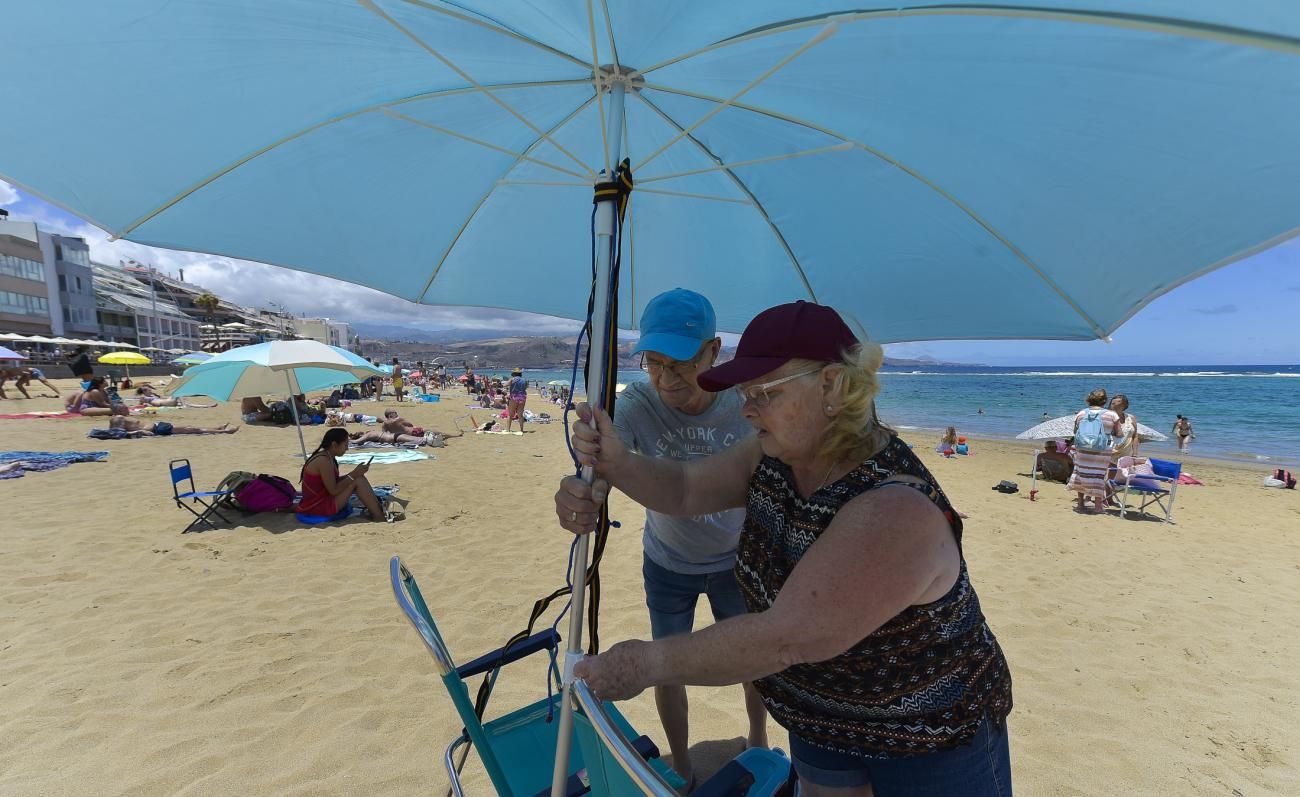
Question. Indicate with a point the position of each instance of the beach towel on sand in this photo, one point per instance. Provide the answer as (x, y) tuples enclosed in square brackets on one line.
[(383, 457), (45, 460), (23, 416)]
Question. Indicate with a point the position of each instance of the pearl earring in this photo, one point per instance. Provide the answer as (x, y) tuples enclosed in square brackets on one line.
[(829, 408)]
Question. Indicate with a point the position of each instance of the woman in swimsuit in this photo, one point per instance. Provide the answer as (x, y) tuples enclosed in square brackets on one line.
[(324, 492), (92, 401)]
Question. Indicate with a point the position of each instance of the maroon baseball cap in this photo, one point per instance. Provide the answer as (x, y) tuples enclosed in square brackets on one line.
[(798, 330)]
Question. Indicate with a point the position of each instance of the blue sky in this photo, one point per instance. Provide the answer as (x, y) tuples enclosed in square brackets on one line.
[(1241, 314)]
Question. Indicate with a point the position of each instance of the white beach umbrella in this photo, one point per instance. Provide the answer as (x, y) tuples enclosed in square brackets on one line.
[(1062, 427), (299, 366)]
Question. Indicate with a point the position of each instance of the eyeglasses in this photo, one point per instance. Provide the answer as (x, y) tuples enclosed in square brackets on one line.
[(682, 368), (758, 393)]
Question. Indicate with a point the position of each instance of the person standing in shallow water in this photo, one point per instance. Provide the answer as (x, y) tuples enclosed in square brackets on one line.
[(1183, 432)]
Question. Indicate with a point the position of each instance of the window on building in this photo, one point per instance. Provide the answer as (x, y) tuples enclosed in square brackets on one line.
[(22, 304), (63, 283), (13, 266), (79, 285)]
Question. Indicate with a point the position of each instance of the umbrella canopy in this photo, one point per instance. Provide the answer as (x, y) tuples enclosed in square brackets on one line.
[(1060, 428), (124, 358), (10, 354), (1054, 165), (12, 336), (556, 383), (193, 358), (297, 365)]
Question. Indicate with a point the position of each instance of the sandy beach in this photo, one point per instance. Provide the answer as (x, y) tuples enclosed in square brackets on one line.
[(269, 658)]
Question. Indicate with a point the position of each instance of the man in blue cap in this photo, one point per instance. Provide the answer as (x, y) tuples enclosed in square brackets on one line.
[(685, 557)]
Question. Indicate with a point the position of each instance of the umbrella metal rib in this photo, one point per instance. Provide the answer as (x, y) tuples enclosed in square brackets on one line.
[(487, 194), (279, 142), (825, 34), (913, 173), (519, 156), (370, 5), (1142, 22), (735, 178), (496, 27)]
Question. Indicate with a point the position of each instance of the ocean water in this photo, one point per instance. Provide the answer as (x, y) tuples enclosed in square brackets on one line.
[(1249, 413)]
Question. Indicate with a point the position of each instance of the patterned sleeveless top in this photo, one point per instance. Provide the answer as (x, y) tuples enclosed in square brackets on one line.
[(922, 682)]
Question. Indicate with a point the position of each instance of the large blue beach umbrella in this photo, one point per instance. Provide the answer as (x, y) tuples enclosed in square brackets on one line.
[(955, 170)]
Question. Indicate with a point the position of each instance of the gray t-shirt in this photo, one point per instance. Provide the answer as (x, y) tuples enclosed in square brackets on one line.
[(700, 544)]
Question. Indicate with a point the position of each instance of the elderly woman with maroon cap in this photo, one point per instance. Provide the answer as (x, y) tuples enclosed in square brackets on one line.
[(865, 637)]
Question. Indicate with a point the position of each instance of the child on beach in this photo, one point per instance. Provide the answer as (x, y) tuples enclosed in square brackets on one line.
[(947, 443)]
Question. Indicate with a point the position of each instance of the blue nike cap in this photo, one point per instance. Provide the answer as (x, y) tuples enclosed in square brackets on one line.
[(675, 323)]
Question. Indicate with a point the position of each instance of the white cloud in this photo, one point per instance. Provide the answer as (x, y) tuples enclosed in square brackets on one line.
[(8, 194), (257, 284)]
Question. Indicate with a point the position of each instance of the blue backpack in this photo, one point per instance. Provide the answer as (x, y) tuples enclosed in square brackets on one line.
[(1092, 434)]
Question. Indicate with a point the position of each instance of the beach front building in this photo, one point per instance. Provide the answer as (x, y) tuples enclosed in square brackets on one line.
[(331, 333), (75, 315), (24, 288), (129, 310)]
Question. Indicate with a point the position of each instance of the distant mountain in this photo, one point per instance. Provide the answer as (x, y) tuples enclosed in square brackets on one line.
[(392, 332), (494, 350)]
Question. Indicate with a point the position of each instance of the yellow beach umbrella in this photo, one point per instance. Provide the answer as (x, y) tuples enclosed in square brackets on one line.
[(127, 358), (124, 358)]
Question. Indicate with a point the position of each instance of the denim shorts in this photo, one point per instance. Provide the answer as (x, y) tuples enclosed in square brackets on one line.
[(671, 597), (979, 769)]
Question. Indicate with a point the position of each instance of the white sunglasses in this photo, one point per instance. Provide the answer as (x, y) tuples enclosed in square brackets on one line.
[(758, 393)]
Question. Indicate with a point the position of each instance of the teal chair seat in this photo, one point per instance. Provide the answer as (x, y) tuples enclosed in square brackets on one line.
[(517, 749)]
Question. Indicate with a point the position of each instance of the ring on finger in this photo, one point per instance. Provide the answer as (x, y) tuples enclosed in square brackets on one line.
[(573, 517)]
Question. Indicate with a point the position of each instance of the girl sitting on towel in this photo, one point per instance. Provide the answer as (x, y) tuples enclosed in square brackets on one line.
[(324, 492)]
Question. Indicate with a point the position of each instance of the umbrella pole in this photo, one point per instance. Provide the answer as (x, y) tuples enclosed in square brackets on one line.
[(293, 407), (597, 355)]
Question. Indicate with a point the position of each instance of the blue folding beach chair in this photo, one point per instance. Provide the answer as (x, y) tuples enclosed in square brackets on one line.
[(209, 500), (1156, 489), (517, 750)]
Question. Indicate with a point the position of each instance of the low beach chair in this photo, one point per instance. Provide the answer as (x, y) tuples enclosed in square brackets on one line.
[(614, 766), (209, 500), (1157, 488), (517, 750)]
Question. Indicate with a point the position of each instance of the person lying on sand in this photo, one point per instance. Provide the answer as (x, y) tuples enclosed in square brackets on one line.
[(122, 420), (253, 410), (149, 398), (396, 424), (432, 438)]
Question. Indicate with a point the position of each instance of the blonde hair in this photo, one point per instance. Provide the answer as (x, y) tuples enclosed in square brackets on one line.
[(855, 432)]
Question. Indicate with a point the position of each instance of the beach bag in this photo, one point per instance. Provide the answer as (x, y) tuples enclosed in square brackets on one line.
[(1092, 434), (266, 493), (1006, 486), (234, 480), (281, 413)]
